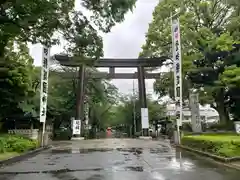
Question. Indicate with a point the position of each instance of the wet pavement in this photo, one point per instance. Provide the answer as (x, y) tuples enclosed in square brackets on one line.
[(115, 159)]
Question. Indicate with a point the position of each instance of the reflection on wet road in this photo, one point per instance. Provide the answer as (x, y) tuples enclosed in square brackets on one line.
[(123, 160)]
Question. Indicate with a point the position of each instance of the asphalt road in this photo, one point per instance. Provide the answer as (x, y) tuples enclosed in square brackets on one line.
[(115, 159)]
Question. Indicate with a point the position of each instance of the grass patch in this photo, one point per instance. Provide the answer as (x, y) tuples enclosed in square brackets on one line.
[(8, 155), (16, 144), (225, 145)]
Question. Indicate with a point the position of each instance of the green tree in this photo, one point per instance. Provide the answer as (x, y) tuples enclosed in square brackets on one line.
[(208, 28), (230, 79), (164, 86), (33, 21), (124, 112), (36, 21), (16, 82), (62, 99), (102, 97)]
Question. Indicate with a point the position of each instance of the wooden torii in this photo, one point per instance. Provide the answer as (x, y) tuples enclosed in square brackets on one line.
[(112, 63)]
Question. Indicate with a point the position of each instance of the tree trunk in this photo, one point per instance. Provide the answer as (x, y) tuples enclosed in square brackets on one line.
[(222, 110), (3, 44), (223, 113)]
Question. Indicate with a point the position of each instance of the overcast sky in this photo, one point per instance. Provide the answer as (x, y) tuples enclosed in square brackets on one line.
[(124, 41)]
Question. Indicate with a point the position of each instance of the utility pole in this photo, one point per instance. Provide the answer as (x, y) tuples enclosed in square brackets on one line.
[(134, 110), (80, 96)]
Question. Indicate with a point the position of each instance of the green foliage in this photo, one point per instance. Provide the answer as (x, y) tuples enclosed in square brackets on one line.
[(187, 127), (165, 86), (123, 113), (61, 99), (102, 97), (33, 21), (62, 134), (209, 32), (222, 126), (107, 13), (221, 145), (16, 81), (15, 143), (37, 22)]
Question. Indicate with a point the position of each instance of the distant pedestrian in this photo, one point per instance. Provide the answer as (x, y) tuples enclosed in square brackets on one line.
[(109, 132)]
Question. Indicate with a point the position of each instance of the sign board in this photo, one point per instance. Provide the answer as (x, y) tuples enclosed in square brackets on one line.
[(195, 114), (144, 118), (44, 83), (76, 127), (177, 64)]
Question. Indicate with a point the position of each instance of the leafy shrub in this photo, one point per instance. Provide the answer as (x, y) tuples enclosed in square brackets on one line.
[(62, 134), (138, 134), (16, 143), (187, 127), (221, 126), (226, 145)]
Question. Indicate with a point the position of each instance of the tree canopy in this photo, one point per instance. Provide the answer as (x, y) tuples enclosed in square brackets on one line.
[(44, 21), (37, 21), (16, 79), (129, 109), (209, 39)]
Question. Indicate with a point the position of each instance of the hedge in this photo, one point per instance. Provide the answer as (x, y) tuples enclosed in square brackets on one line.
[(225, 145), (15, 143)]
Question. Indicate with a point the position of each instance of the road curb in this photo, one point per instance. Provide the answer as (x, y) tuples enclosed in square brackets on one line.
[(23, 156), (228, 162)]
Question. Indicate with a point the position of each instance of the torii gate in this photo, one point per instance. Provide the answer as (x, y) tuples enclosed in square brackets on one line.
[(141, 75)]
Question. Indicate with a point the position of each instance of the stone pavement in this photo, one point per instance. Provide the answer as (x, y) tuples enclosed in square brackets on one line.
[(111, 144), (115, 159)]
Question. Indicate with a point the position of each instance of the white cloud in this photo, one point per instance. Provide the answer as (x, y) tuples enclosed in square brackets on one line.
[(124, 41)]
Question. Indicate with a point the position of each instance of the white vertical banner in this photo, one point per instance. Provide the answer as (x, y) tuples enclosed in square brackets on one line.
[(76, 127), (177, 63), (44, 83), (144, 118)]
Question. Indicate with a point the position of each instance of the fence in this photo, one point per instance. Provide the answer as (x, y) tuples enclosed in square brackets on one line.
[(31, 133)]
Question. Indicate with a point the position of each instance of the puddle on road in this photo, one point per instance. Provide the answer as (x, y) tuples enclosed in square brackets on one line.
[(89, 150), (134, 168), (121, 165), (66, 170), (159, 150), (136, 151), (68, 176), (81, 151), (167, 167)]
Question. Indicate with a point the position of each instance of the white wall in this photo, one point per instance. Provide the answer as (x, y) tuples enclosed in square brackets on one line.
[(208, 113)]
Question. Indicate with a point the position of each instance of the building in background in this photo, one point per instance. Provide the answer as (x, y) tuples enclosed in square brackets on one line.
[(207, 114)]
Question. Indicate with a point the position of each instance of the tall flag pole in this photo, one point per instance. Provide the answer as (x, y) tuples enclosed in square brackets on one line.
[(177, 64), (44, 88)]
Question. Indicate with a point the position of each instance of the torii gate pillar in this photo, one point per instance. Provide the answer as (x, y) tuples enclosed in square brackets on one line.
[(142, 95)]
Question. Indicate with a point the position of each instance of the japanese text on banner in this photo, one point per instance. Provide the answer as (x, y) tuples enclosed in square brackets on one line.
[(44, 83), (76, 127), (177, 68)]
